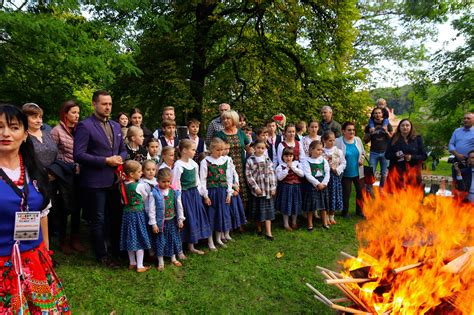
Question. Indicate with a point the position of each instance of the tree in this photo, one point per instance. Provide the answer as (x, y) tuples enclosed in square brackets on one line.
[(49, 54)]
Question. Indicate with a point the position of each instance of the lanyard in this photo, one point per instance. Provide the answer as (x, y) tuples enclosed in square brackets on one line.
[(22, 194)]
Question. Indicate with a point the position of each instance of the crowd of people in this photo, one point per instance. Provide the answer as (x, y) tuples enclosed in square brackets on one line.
[(148, 193)]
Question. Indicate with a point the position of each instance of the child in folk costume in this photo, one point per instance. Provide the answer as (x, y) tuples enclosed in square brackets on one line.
[(262, 182), (153, 147), (134, 234), (148, 181), (311, 136), (167, 158), (169, 138), (289, 200), (193, 134), (337, 164), (317, 172), (166, 218), (185, 178), (135, 149), (237, 211), (216, 180), (291, 142)]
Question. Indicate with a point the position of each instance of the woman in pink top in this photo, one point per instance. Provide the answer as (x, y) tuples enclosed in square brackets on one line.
[(63, 135)]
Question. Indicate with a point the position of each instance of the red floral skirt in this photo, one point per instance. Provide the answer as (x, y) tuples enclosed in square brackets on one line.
[(41, 291)]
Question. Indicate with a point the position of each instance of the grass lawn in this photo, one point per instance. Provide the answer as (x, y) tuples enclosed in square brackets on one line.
[(443, 168), (246, 277)]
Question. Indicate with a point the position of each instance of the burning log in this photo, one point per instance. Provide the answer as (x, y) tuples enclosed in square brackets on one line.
[(415, 256), (348, 280), (323, 299)]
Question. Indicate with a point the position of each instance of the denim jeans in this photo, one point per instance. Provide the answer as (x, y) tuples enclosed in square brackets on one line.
[(105, 212), (376, 157)]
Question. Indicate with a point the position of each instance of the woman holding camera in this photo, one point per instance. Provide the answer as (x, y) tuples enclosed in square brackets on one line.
[(405, 152)]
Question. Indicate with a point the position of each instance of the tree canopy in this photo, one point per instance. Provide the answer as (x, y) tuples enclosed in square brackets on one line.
[(263, 57)]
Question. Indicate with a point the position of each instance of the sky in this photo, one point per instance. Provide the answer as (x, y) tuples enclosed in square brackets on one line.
[(447, 40)]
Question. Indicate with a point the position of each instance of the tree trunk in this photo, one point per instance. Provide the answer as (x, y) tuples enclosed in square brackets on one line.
[(201, 44)]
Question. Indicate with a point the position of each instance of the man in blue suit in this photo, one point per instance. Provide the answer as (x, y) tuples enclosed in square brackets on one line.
[(99, 149)]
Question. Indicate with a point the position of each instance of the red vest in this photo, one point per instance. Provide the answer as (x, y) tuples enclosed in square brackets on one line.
[(296, 149), (292, 178)]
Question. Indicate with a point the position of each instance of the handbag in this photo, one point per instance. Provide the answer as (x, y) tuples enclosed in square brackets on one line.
[(369, 176)]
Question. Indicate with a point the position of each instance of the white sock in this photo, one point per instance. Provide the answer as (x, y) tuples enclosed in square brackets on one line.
[(140, 254), (218, 238), (131, 257), (161, 261), (210, 242), (227, 235), (285, 221), (173, 258), (293, 219)]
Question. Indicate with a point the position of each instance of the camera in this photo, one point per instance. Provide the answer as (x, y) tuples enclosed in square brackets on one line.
[(461, 164)]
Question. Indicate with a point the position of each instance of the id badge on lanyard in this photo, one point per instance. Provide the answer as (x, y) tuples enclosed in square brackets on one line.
[(27, 223), (27, 226)]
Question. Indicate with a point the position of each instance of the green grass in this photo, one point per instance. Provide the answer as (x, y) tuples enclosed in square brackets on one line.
[(245, 278), (443, 168)]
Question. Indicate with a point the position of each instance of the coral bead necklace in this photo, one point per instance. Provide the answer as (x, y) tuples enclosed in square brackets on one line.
[(21, 180)]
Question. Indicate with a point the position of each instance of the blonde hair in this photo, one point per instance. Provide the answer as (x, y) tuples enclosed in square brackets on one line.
[(131, 166), (144, 164), (164, 173), (167, 149), (168, 108), (185, 144), (215, 142), (133, 131), (232, 114)]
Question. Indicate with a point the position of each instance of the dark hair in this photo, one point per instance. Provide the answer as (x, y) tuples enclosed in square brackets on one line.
[(397, 135), (247, 128), (261, 130), (95, 96), (31, 109), (254, 144), (120, 114), (193, 121), (65, 108), (287, 152), (135, 111), (242, 116), (327, 133), (469, 153), (373, 111), (289, 126), (151, 140), (346, 124), (35, 169), (168, 123), (313, 145)]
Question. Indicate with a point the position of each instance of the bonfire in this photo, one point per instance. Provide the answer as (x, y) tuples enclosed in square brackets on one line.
[(415, 256)]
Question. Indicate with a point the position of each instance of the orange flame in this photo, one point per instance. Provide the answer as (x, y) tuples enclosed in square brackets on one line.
[(403, 228)]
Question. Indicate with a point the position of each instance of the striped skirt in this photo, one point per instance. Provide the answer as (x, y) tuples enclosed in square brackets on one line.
[(168, 241), (288, 200)]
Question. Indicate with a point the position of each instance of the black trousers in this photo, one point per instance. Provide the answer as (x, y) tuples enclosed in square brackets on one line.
[(105, 210), (346, 194)]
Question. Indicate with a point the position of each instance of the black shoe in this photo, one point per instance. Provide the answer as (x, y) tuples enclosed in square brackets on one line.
[(268, 237), (259, 233), (360, 214), (310, 229), (345, 215), (326, 227)]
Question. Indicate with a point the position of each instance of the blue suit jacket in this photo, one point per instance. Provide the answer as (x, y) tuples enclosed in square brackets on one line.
[(91, 148)]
